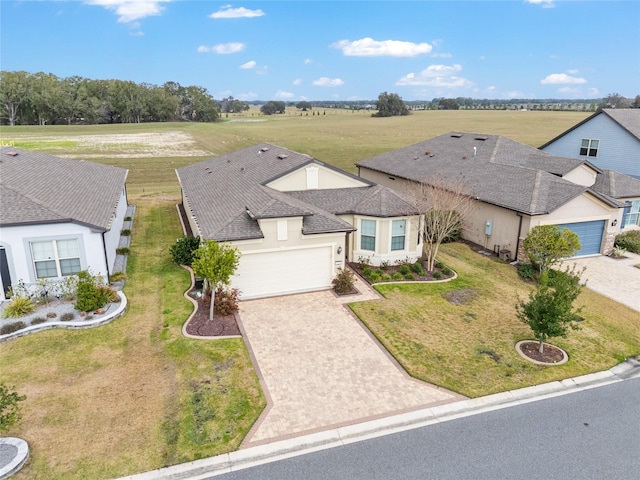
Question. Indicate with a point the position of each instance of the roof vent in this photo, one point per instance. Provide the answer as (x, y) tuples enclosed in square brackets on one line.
[(282, 156), (482, 138), (456, 135), (12, 154), (264, 149)]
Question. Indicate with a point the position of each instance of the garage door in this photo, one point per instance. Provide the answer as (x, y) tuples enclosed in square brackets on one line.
[(590, 234), (283, 271)]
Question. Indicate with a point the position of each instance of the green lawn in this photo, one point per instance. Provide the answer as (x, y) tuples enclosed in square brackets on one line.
[(469, 347), (135, 394)]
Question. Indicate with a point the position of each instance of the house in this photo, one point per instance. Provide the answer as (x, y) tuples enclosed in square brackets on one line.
[(57, 217), (609, 139), (516, 188), (294, 219)]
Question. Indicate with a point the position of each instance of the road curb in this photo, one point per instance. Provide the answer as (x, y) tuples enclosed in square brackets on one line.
[(250, 457)]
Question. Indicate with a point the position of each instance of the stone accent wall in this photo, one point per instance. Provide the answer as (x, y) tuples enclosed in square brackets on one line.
[(609, 240)]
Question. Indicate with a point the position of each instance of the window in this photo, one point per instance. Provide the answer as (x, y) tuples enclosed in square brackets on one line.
[(368, 235), (56, 258), (632, 214), (282, 229), (589, 147), (398, 228)]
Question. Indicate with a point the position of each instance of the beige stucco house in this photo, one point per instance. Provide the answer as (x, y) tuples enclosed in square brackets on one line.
[(294, 219), (516, 188)]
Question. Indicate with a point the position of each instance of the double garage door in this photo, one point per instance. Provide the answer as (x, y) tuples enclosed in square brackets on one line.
[(280, 272), (590, 234)]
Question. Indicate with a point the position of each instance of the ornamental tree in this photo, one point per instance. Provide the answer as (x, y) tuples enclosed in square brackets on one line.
[(216, 263), (546, 245), (9, 407), (549, 311)]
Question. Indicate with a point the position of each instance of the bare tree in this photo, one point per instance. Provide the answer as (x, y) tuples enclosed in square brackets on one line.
[(443, 203)]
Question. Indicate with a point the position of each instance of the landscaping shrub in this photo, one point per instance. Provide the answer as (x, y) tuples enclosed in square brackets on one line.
[(183, 250), (386, 277), (618, 252), (438, 265), (446, 271), (123, 251), (9, 406), (366, 271), (374, 276), (404, 269), (118, 276), (125, 232), (527, 270), (90, 292), (226, 301), (630, 241), (38, 320), (343, 283), (52, 314), (397, 276), (127, 219), (110, 294), (19, 307), (437, 275), (12, 327), (65, 317), (418, 268), (408, 276)]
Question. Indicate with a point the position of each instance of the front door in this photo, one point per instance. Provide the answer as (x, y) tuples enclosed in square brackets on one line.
[(5, 276)]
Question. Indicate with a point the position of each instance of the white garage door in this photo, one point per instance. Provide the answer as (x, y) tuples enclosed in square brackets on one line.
[(284, 271)]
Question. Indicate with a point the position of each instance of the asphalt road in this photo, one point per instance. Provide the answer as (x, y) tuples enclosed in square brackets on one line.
[(593, 434)]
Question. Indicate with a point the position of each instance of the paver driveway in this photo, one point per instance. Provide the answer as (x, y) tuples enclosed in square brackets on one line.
[(618, 279), (321, 368)]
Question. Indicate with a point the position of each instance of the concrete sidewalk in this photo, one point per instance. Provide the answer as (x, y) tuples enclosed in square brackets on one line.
[(272, 452)]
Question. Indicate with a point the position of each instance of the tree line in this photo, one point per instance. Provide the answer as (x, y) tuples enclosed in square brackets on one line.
[(45, 99)]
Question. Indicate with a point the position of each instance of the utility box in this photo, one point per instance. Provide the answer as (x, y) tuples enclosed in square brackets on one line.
[(505, 255), (487, 227)]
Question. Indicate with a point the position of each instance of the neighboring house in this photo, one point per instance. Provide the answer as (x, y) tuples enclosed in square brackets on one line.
[(623, 188), (609, 139), (57, 217), (517, 187), (294, 219)]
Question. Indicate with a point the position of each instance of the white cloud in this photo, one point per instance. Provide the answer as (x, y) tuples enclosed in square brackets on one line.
[(263, 70), (442, 76), (573, 72), (222, 48), (560, 79), (368, 47), (308, 61), (542, 3), (283, 94), (249, 65), (227, 11), (247, 96), (131, 10), (297, 81), (593, 92), (328, 82)]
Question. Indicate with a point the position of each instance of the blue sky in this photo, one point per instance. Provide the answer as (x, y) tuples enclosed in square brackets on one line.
[(335, 50)]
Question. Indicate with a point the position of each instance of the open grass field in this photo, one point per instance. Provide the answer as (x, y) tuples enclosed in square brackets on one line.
[(468, 347), (136, 395), (152, 152)]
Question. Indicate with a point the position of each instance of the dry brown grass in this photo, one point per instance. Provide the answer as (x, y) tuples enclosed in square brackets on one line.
[(469, 347)]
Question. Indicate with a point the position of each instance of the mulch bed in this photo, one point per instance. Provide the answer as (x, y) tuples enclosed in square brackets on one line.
[(391, 269), (221, 325), (550, 354)]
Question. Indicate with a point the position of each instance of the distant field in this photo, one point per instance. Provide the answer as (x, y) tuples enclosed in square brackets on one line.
[(153, 151)]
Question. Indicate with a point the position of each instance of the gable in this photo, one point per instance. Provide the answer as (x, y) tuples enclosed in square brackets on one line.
[(584, 207), (315, 176), (582, 175)]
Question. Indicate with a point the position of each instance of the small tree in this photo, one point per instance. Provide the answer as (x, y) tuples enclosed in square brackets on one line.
[(546, 245), (216, 263), (9, 407), (549, 311), (390, 105), (183, 250), (443, 204)]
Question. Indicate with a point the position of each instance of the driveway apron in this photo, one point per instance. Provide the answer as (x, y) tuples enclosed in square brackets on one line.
[(321, 368), (617, 279)]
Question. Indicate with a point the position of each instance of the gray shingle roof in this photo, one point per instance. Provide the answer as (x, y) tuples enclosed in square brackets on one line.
[(227, 194), (617, 185), (497, 170), (38, 188)]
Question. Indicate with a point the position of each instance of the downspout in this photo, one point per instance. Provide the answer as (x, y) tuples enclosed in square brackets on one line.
[(106, 257), (518, 237)]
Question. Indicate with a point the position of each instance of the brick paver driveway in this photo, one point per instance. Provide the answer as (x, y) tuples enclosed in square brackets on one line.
[(321, 368)]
